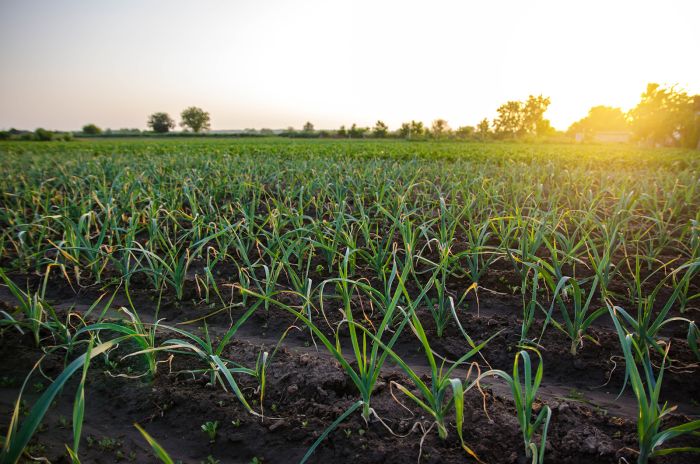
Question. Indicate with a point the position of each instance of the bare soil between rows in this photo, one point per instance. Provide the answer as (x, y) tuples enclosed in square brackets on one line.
[(307, 390)]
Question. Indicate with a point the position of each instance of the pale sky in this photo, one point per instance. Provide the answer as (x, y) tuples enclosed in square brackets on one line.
[(280, 63)]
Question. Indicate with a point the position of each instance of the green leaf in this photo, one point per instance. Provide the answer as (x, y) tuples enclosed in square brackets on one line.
[(157, 449)]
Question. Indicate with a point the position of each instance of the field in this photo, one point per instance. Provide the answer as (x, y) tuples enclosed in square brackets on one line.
[(268, 300)]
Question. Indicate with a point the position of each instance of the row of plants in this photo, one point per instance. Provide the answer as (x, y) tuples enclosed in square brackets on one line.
[(370, 346), (105, 231)]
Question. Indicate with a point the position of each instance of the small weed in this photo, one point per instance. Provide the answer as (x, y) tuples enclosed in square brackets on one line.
[(210, 428), (37, 449), (576, 395), (108, 444), (63, 422), (7, 382)]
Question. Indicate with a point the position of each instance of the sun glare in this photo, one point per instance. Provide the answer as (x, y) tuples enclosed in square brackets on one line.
[(277, 64)]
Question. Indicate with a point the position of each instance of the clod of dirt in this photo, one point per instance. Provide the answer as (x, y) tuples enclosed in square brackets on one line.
[(589, 440)]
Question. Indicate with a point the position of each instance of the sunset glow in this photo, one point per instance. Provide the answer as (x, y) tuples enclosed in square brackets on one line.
[(279, 63)]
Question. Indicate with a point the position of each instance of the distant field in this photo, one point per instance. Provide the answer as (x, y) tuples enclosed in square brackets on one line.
[(206, 251)]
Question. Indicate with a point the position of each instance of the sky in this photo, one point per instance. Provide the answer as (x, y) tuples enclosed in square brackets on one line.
[(275, 63)]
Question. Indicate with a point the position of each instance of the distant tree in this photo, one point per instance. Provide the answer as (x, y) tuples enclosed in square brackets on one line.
[(483, 129), (465, 132), (692, 139), (160, 122), (544, 127), (356, 132), (129, 131), (667, 116), (342, 132), (195, 118), (266, 131), (600, 118), (404, 130), (289, 132), (43, 135), (91, 129), (308, 127), (416, 129), (380, 129), (516, 118), (510, 119), (440, 128), (533, 121)]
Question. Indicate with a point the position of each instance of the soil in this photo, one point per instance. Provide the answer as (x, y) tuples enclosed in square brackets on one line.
[(306, 390)]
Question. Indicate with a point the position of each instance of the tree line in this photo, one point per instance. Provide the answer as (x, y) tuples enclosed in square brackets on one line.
[(664, 116), (192, 118)]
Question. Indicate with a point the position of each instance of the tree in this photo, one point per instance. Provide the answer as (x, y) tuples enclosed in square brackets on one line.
[(380, 129), (288, 132), (91, 129), (693, 134), (483, 129), (533, 121), (440, 128), (509, 122), (356, 132), (599, 119), (308, 127), (666, 116), (43, 135), (195, 118), (160, 122), (404, 130), (416, 129), (464, 132), (342, 132), (544, 127), (516, 118)]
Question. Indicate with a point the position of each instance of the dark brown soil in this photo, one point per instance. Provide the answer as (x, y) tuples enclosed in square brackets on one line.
[(307, 390)]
